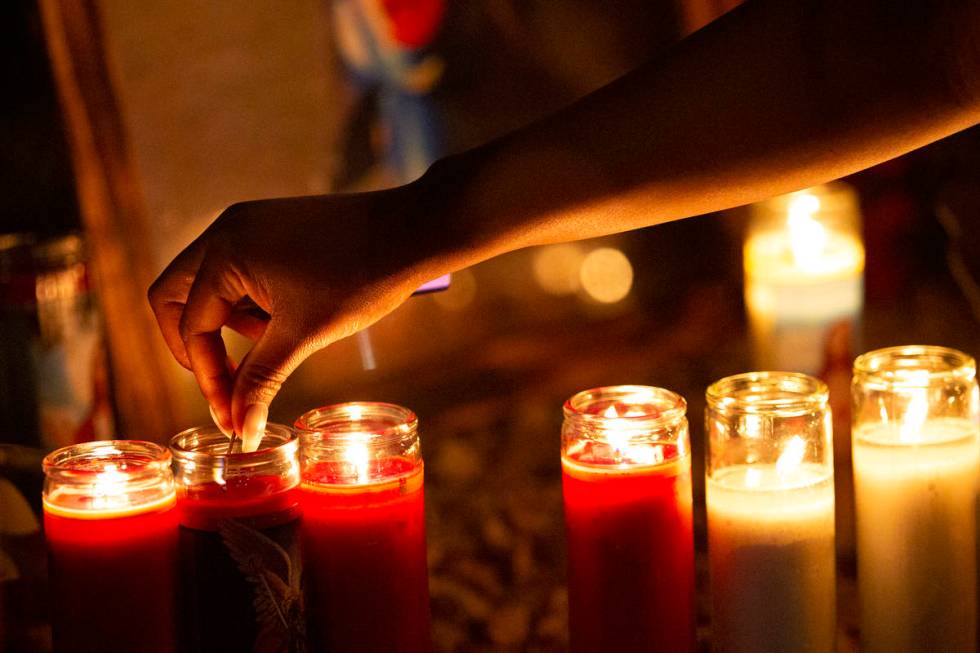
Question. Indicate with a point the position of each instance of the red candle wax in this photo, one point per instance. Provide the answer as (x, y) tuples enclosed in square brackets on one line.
[(241, 569), (112, 580), (112, 553), (240, 565), (630, 558), (365, 560), (628, 516)]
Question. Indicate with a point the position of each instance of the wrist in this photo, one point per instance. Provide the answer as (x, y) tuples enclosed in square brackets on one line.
[(442, 223)]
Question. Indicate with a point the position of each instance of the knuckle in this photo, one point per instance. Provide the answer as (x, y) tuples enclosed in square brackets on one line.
[(265, 378), (184, 328), (153, 292)]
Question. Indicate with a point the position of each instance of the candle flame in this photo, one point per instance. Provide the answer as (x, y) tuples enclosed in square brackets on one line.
[(915, 416), (807, 237), (753, 477), (617, 437), (356, 455), (792, 456), (110, 488)]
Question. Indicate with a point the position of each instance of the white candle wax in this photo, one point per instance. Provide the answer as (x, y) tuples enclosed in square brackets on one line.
[(916, 498), (794, 301), (771, 558)]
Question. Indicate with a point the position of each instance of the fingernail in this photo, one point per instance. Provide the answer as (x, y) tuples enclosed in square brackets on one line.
[(217, 422), (254, 426)]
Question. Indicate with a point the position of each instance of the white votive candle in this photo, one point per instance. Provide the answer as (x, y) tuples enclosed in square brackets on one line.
[(770, 501), (771, 538), (916, 456), (916, 536), (804, 276)]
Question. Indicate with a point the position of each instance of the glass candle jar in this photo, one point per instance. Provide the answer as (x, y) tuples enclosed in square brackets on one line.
[(626, 479), (804, 279), (770, 500), (111, 534), (364, 529), (241, 570), (916, 463)]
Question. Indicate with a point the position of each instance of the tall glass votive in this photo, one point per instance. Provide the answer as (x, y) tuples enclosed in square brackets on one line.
[(111, 533), (770, 500), (804, 278), (626, 478), (241, 572), (363, 529), (916, 463)]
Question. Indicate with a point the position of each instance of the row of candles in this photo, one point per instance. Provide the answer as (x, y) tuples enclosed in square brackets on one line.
[(770, 507), (197, 548), (318, 537)]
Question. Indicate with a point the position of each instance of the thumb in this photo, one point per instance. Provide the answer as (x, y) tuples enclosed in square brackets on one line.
[(259, 378)]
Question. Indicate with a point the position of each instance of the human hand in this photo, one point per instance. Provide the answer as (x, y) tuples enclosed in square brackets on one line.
[(293, 275)]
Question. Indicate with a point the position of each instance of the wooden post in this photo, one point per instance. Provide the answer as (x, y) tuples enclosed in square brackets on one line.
[(113, 216)]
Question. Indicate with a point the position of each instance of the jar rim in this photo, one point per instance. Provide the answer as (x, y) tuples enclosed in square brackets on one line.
[(140, 456), (769, 392), (381, 422), (914, 366), (670, 405), (181, 444)]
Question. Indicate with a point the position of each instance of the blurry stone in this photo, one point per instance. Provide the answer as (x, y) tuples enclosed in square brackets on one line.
[(522, 561), (527, 514), (497, 534), (481, 575), (457, 461), (552, 626), (471, 602), (509, 625), (447, 636)]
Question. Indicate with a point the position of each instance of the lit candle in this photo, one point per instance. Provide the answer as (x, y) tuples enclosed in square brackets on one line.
[(770, 500), (241, 573), (363, 529), (111, 534), (626, 477), (916, 463), (804, 277)]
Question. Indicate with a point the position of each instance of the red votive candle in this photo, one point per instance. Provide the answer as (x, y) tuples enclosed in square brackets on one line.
[(111, 534), (241, 573), (626, 477), (363, 529)]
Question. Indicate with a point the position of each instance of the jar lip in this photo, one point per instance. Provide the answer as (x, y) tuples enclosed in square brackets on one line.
[(785, 393), (914, 365), (139, 457), (670, 406), (381, 421), (181, 444)]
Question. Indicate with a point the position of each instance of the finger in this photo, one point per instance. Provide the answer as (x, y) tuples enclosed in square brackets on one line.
[(209, 306), (168, 296), (247, 324), (262, 372)]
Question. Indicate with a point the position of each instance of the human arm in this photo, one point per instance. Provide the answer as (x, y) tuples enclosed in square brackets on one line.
[(772, 97)]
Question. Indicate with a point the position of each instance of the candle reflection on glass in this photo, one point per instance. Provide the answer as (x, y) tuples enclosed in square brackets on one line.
[(770, 500), (363, 529), (804, 277), (916, 463), (626, 477), (111, 534)]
